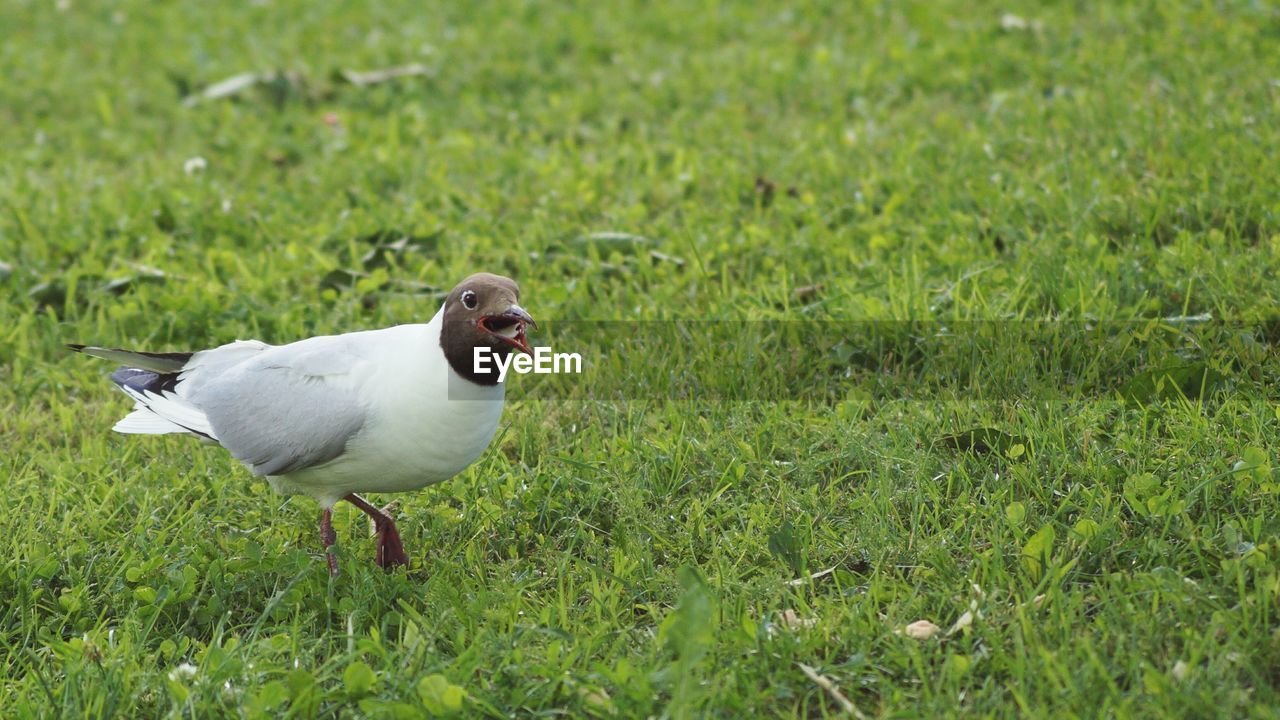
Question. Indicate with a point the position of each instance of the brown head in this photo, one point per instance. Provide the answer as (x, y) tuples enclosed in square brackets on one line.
[(483, 311)]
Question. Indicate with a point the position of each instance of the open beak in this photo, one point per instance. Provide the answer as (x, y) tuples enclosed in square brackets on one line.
[(509, 326)]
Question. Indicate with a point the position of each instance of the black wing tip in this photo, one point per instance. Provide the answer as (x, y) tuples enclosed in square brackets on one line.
[(77, 347), (143, 380), (135, 378)]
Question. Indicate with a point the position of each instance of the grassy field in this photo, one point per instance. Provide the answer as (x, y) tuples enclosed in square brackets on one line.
[(851, 233)]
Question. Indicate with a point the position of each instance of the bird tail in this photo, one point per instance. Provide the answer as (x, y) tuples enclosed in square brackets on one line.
[(151, 379)]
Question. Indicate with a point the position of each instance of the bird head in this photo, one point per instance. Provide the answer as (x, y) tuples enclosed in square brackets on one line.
[(484, 311)]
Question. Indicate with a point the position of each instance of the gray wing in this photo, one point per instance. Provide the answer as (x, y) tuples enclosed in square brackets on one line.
[(286, 409)]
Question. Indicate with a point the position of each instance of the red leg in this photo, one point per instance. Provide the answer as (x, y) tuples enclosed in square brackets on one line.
[(328, 538), (390, 550)]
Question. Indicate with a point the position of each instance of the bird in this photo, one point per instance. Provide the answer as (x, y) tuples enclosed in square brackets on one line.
[(375, 411)]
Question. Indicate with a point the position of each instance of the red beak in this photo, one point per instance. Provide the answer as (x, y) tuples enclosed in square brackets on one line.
[(513, 316)]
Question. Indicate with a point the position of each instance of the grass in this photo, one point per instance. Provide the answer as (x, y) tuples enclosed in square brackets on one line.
[(1011, 210)]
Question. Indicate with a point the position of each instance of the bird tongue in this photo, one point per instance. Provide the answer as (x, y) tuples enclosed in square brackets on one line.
[(511, 330)]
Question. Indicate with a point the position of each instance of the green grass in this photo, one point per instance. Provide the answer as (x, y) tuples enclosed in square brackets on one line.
[(639, 541)]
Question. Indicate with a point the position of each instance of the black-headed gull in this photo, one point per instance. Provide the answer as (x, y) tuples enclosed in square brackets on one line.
[(387, 410)]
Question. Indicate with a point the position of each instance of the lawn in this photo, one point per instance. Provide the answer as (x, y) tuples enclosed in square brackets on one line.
[(958, 312)]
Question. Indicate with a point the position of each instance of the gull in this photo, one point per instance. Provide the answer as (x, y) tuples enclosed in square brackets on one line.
[(376, 411)]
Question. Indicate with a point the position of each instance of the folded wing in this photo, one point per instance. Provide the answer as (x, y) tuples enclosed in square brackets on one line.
[(287, 408), (276, 409)]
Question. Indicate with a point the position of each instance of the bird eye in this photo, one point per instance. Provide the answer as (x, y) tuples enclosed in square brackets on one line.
[(469, 300)]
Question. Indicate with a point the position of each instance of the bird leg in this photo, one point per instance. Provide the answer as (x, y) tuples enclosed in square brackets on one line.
[(390, 550), (329, 538)]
